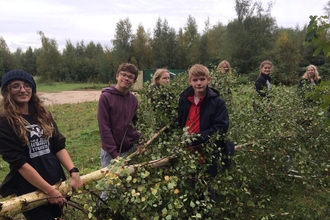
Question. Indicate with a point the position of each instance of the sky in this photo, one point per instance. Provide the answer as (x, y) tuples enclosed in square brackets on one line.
[(88, 20)]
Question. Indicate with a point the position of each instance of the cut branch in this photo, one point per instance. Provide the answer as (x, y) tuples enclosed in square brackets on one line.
[(16, 205)]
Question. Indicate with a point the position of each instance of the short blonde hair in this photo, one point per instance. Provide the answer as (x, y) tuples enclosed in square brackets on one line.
[(316, 73), (221, 69), (198, 70), (157, 75)]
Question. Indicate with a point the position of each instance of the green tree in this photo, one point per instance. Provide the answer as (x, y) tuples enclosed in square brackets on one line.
[(94, 54), (192, 41), (70, 62), (218, 44), (106, 69), (6, 60), (142, 48), (49, 62), (181, 51), (326, 8), (122, 44), (318, 34), (29, 62), (164, 45), (18, 58), (250, 35), (212, 47), (287, 57)]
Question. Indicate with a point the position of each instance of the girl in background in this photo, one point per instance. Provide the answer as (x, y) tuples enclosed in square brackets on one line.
[(163, 101), (310, 77), (308, 81), (263, 81), (224, 67)]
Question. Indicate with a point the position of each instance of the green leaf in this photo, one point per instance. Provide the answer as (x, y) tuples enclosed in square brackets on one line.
[(192, 204)]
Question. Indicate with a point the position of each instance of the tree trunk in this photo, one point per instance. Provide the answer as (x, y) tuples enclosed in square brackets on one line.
[(16, 205)]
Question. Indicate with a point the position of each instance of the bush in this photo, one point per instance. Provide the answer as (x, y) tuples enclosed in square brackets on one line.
[(281, 157)]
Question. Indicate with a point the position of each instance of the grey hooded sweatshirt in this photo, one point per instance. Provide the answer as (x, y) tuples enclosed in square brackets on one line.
[(116, 114)]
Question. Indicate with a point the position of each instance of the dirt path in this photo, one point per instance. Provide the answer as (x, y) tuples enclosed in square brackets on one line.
[(69, 97)]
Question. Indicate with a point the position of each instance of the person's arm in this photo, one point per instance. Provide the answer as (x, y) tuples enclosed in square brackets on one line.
[(58, 148), (34, 178), (259, 85), (103, 115), (65, 159), (301, 83)]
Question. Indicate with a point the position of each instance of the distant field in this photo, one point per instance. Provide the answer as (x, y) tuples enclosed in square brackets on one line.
[(59, 87)]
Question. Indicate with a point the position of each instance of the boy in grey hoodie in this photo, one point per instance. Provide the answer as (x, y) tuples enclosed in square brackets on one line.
[(117, 111)]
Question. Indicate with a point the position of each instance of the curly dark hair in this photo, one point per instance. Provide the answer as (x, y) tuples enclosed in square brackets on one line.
[(128, 67)]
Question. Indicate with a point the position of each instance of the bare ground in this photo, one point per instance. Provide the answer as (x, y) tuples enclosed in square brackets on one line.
[(70, 97)]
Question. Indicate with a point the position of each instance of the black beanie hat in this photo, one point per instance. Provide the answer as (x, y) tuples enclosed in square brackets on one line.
[(18, 75)]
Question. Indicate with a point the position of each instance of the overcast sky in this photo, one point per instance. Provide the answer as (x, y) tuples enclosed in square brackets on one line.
[(96, 20)]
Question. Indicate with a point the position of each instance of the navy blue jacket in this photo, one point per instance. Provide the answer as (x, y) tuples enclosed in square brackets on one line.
[(214, 114), (213, 118)]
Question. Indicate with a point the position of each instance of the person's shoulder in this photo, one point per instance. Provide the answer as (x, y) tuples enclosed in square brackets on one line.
[(212, 92), (155, 86), (260, 78), (303, 80), (132, 95), (3, 118), (4, 123), (187, 91)]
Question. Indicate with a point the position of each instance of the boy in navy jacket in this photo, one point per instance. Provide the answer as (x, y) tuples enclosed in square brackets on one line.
[(203, 112)]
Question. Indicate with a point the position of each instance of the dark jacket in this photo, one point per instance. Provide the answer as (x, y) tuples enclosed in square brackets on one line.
[(214, 115), (305, 82), (213, 118), (261, 83), (306, 86), (40, 154), (116, 115)]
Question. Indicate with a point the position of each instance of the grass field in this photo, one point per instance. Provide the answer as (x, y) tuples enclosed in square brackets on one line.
[(59, 87)]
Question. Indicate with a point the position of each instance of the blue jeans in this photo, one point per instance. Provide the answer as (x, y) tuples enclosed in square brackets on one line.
[(106, 158), (105, 161)]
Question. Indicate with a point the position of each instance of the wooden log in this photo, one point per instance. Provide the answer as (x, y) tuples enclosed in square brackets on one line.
[(16, 205), (32, 200)]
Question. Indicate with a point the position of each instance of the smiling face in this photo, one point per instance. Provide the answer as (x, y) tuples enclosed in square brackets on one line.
[(310, 72), (125, 80), (21, 92), (266, 68)]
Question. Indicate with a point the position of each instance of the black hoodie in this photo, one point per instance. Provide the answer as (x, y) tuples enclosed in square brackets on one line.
[(262, 81)]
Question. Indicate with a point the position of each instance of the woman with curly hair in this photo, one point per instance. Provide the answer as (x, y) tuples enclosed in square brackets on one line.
[(32, 145)]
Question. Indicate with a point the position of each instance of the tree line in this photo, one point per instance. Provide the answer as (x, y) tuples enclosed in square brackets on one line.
[(245, 41)]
